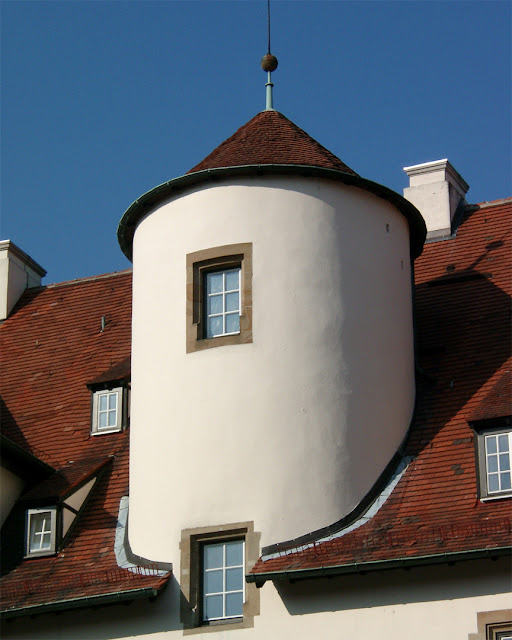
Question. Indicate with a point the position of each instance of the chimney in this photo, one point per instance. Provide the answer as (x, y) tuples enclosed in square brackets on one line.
[(17, 272), (436, 189)]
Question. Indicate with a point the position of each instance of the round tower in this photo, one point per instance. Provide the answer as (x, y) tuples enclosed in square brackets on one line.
[(273, 360)]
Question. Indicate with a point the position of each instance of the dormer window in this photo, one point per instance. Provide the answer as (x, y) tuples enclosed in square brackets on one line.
[(498, 449), (41, 531), (494, 440), (108, 411)]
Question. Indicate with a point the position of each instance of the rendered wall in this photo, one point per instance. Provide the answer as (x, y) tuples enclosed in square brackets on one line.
[(425, 603), (292, 430)]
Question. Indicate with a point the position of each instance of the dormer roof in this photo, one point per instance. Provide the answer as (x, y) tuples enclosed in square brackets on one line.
[(270, 138)]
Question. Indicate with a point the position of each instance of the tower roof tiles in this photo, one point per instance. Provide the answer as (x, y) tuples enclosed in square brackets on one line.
[(270, 138)]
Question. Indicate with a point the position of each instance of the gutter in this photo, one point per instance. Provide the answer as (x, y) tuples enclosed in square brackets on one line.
[(168, 190), (87, 601), (380, 565)]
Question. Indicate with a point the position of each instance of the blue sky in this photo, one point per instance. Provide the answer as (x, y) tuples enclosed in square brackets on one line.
[(101, 101)]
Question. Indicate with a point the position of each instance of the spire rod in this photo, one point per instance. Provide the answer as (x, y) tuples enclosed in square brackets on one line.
[(269, 64)]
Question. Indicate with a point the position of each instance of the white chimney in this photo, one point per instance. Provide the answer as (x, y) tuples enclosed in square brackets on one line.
[(17, 272), (436, 189)]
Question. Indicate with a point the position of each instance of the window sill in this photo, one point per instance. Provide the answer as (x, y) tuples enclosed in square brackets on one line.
[(500, 496)]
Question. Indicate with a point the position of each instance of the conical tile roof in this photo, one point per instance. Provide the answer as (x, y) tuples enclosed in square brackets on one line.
[(270, 138)]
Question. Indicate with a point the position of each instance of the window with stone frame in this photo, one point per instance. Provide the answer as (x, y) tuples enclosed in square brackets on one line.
[(219, 297)]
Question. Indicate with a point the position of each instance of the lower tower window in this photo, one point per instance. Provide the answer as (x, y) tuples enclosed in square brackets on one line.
[(223, 580)]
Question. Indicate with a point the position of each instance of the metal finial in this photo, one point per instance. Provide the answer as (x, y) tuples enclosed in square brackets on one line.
[(269, 63)]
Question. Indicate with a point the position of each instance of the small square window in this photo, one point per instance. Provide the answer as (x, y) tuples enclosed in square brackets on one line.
[(223, 583), (219, 297), (495, 462), (41, 531), (108, 411)]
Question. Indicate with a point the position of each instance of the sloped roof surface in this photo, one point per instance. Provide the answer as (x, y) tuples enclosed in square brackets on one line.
[(51, 345), (463, 287), (270, 138)]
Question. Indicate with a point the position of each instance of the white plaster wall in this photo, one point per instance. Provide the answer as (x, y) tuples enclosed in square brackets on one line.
[(11, 487), (426, 603), (292, 430)]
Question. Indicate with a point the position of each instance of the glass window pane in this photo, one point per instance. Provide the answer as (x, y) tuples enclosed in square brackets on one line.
[(234, 579), (214, 326), (213, 607), (213, 556), (214, 282), (112, 418), (504, 462), (103, 403), (493, 483), (234, 553), (112, 401), (505, 481), (103, 420), (232, 301), (232, 280), (214, 304), (232, 323), (234, 604), (490, 444), (213, 582), (492, 464), (46, 540), (503, 442)]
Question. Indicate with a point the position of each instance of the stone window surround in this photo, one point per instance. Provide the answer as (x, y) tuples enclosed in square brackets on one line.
[(190, 576), (213, 259), (493, 625)]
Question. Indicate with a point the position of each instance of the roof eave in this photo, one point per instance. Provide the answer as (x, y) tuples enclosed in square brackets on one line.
[(148, 201), (86, 601), (380, 565)]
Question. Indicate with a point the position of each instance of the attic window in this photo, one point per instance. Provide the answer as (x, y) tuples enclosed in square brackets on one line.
[(108, 411), (41, 531), (495, 462)]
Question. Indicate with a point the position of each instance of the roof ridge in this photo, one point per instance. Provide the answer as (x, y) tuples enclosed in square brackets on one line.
[(102, 276)]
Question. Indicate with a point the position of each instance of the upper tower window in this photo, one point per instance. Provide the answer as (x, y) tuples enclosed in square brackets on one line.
[(219, 297), (223, 302)]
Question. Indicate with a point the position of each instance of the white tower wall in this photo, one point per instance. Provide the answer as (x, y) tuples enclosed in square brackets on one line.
[(292, 430)]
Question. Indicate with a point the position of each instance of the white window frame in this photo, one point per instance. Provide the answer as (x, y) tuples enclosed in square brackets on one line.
[(97, 395), (224, 591), (222, 294), (499, 456), (483, 436), (31, 514)]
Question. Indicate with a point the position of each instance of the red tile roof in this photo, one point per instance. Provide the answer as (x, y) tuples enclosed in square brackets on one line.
[(463, 287), (52, 345), (270, 138)]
